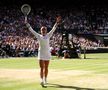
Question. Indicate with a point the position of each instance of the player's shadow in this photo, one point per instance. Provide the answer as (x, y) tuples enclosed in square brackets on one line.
[(68, 87)]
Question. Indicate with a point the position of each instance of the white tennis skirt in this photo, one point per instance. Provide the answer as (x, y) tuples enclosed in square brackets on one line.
[(44, 55)]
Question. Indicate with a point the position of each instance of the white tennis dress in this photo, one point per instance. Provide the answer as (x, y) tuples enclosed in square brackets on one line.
[(44, 47)]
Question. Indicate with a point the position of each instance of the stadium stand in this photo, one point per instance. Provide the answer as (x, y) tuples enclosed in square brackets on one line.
[(84, 24)]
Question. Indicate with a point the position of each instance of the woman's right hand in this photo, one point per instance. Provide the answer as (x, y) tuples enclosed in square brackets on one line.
[(25, 20)]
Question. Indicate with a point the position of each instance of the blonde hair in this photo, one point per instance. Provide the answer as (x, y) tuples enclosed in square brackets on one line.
[(43, 27)]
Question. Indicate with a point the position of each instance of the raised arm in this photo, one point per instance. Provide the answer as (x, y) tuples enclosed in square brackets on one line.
[(58, 19), (31, 29)]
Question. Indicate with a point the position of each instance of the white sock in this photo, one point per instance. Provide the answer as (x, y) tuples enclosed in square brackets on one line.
[(41, 80), (45, 80)]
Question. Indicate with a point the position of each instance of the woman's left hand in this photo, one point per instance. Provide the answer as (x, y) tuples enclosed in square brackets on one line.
[(58, 19)]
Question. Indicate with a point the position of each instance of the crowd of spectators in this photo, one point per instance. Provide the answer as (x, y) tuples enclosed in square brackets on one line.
[(15, 37)]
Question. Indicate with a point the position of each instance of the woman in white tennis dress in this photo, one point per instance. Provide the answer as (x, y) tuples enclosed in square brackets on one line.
[(44, 54)]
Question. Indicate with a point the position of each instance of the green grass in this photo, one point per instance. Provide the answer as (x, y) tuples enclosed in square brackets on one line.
[(98, 63), (95, 62), (19, 63)]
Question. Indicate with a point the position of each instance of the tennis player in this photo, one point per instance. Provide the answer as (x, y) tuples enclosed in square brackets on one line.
[(44, 54)]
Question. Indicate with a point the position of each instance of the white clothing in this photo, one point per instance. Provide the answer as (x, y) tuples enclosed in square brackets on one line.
[(44, 47)]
